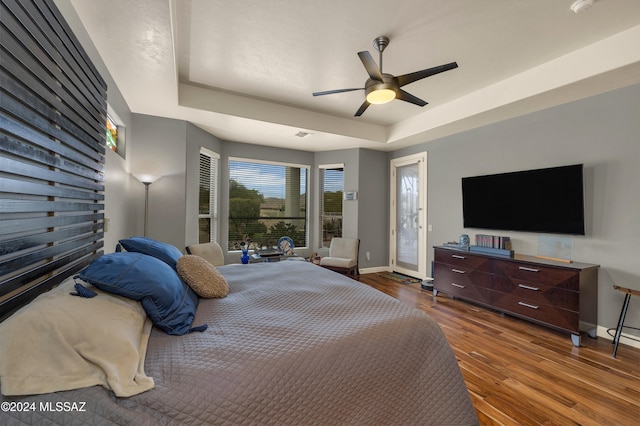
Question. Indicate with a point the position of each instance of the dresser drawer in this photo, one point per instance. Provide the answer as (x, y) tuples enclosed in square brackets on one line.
[(462, 259), (552, 315), (540, 293), (461, 283), (462, 275), (535, 273)]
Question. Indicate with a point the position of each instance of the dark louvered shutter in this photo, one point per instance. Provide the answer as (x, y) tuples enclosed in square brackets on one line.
[(52, 147)]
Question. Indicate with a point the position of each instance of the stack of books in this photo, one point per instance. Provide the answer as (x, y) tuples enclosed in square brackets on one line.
[(492, 244), (493, 241)]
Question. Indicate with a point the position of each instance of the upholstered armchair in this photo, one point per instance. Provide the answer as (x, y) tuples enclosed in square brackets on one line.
[(210, 251), (343, 256)]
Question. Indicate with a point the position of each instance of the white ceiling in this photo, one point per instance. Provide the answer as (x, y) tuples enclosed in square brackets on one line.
[(244, 70)]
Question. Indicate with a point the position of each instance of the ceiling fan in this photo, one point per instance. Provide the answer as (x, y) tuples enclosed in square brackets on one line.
[(381, 88)]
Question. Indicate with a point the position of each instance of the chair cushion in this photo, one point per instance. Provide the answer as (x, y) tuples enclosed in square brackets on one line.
[(166, 252), (167, 300), (339, 262), (210, 251), (202, 277), (343, 248)]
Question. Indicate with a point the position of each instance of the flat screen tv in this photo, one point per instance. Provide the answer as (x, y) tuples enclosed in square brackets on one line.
[(547, 200)]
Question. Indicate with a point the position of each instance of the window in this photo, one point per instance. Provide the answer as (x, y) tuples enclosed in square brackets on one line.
[(115, 135), (331, 190), (266, 201), (208, 197), (112, 134)]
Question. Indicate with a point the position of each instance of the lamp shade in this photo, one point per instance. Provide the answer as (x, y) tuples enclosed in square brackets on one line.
[(381, 92), (146, 178), (381, 96)]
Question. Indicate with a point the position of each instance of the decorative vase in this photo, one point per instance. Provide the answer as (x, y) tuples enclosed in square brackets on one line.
[(245, 256)]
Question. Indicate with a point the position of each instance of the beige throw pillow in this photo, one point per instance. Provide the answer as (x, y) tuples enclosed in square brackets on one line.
[(202, 276)]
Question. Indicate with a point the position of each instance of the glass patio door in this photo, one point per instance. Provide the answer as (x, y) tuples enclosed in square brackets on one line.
[(408, 215)]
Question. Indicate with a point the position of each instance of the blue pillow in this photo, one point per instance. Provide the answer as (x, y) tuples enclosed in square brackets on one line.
[(167, 300), (166, 252)]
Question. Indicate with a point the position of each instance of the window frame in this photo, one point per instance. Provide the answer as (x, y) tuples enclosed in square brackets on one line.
[(321, 192), (120, 140), (214, 190), (307, 169)]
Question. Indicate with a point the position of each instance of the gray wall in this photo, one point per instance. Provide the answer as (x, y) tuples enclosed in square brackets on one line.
[(373, 212), (603, 133), (158, 147)]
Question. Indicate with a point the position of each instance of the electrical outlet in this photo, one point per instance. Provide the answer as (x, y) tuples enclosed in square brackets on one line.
[(368, 255)]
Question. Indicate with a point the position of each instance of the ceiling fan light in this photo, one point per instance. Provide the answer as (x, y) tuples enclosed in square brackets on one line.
[(381, 96)]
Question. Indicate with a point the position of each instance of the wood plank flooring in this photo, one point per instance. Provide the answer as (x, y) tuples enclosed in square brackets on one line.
[(519, 373)]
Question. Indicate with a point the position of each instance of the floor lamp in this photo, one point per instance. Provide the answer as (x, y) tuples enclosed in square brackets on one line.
[(146, 180)]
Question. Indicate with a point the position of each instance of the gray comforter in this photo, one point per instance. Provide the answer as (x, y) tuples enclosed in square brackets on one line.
[(292, 343)]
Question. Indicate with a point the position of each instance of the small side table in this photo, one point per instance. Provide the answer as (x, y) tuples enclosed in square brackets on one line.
[(623, 313)]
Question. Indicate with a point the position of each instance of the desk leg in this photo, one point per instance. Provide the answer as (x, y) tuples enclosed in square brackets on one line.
[(623, 313)]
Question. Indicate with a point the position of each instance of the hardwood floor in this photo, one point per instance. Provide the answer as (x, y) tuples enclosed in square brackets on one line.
[(519, 373)]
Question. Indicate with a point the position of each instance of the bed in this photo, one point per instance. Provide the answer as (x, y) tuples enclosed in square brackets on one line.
[(291, 343)]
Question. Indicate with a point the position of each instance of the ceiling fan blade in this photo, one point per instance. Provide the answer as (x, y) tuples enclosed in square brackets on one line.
[(370, 65), (331, 92), (418, 75), (362, 108), (408, 97)]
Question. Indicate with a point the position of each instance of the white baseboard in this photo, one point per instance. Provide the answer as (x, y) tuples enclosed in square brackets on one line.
[(374, 269), (602, 332)]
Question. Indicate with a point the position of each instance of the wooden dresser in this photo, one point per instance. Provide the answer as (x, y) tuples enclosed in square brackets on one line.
[(563, 296)]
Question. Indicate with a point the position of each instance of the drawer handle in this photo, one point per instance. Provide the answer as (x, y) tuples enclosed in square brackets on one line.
[(527, 305), (524, 268), (458, 271), (457, 256), (457, 285), (528, 287)]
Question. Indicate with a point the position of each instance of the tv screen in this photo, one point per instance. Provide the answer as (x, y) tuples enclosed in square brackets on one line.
[(547, 200)]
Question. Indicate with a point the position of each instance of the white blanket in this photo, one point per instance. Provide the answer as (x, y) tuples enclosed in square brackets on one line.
[(62, 342)]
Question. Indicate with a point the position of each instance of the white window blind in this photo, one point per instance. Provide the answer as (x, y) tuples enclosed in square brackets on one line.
[(208, 197), (331, 190), (267, 200)]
